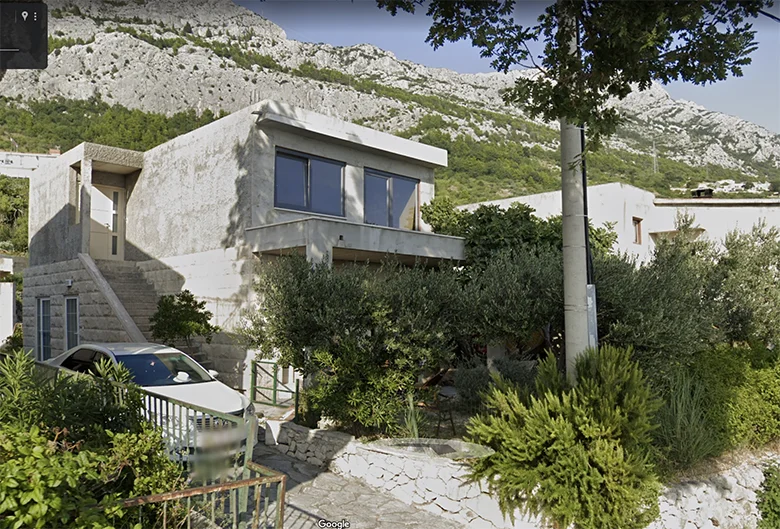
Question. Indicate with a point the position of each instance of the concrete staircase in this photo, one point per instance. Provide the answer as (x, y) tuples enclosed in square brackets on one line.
[(133, 290), (139, 298)]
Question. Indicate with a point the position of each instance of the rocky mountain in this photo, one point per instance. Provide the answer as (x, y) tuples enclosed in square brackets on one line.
[(166, 56)]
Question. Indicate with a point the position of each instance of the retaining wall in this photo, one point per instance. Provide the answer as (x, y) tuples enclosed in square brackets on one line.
[(724, 500)]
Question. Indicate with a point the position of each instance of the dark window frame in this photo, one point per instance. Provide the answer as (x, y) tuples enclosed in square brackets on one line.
[(72, 332), (367, 171), (41, 344), (636, 223), (302, 156)]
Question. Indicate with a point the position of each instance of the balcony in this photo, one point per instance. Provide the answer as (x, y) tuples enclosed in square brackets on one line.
[(340, 240)]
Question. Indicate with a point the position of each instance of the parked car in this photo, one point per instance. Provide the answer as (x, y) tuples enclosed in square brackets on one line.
[(204, 424)]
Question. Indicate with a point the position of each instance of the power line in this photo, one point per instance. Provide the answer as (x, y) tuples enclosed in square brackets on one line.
[(770, 15)]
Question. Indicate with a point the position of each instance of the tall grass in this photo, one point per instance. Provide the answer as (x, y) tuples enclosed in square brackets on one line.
[(414, 420), (684, 435)]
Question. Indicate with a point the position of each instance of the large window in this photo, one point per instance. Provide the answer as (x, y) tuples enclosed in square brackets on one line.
[(71, 322), (390, 200), (44, 328), (309, 183)]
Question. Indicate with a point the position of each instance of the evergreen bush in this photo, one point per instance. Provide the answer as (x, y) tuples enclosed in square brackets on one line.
[(769, 498), (180, 318), (516, 371), (576, 456), (743, 394), (363, 335)]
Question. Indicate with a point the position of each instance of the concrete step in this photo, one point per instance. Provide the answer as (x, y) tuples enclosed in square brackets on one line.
[(140, 310), (128, 284), (137, 297), (110, 266)]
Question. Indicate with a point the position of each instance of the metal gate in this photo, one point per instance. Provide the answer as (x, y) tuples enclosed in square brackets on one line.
[(273, 384)]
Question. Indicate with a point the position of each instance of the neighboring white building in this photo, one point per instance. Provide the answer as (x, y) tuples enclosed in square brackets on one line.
[(22, 164), (640, 218), (7, 300)]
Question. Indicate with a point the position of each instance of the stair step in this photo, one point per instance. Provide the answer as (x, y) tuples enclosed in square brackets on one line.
[(138, 301), (137, 298), (120, 284)]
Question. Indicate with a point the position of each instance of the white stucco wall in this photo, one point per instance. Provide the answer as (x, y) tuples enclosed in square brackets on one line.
[(22, 164), (621, 203), (7, 310)]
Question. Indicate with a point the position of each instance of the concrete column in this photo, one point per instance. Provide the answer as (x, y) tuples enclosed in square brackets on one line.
[(575, 272), (575, 257), (319, 248), (85, 212)]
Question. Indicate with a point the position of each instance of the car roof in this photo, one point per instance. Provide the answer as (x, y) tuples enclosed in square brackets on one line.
[(121, 349)]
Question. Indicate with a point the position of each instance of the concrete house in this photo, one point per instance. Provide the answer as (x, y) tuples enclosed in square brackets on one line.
[(640, 218), (111, 229)]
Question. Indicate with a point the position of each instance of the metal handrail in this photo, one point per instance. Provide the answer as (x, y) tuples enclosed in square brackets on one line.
[(267, 478)]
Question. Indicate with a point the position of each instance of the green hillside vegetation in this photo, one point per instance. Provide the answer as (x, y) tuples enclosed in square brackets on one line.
[(500, 168), (14, 201), (38, 126), (497, 166)]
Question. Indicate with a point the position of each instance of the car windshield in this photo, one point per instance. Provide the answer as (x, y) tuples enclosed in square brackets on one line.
[(164, 369)]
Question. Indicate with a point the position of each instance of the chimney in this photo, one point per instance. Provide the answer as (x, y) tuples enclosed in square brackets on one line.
[(55, 151)]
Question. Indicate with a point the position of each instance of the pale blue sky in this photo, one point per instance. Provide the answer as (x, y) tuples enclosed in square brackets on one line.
[(754, 97)]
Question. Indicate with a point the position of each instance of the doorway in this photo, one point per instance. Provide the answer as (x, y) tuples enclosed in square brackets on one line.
[(107, 240)]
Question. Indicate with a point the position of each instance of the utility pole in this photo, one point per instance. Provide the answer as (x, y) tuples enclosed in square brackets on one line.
[(575, 276)]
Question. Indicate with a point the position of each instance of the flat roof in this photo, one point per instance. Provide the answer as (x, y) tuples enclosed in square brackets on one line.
[(717, 202), (315, 124)]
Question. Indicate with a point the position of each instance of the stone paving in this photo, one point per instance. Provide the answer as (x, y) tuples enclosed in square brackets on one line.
[(314, 495)]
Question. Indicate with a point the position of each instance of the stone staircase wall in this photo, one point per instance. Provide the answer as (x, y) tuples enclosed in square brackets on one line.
[(98, 323), (136, 294)]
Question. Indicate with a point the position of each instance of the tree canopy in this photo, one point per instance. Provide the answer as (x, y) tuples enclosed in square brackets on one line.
[(622, 47)]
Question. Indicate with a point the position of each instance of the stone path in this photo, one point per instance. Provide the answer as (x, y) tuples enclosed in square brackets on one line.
[(314, 495)]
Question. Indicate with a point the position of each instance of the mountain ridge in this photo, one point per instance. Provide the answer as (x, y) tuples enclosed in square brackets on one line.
[(164, 56)]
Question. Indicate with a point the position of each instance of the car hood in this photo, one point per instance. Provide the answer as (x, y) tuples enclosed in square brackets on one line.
[(213, 395)]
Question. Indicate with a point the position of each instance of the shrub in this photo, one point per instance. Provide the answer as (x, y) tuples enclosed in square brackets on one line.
[(743, 394), (575, 456), (517, 293), (471, 383), (181, 317), (59, 457), (359, 385), (665, 309), (685, 434), (769, 498), (414, 419), (65, 482), (515, 371), (54, 475), (750, 271), (83, 405), (15, 341), (363, 334)]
